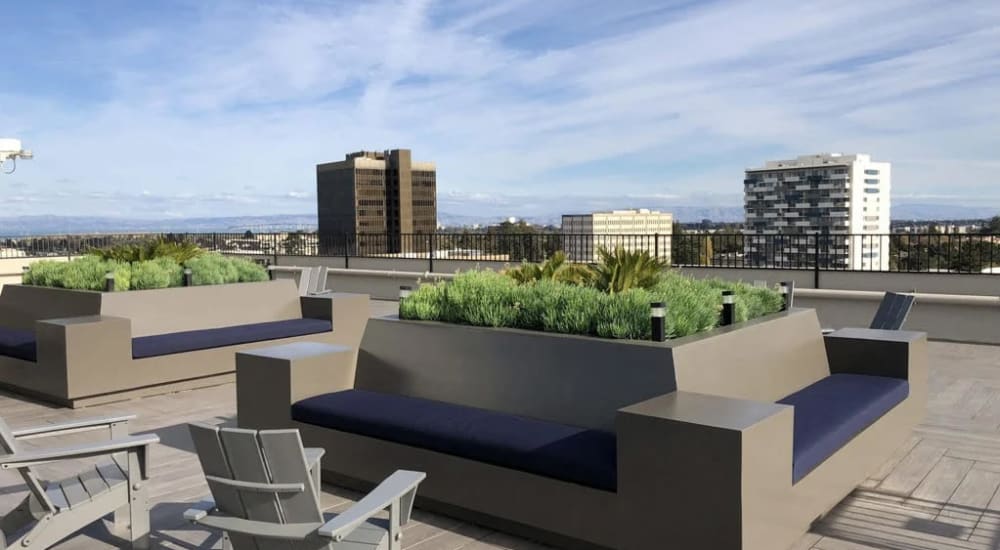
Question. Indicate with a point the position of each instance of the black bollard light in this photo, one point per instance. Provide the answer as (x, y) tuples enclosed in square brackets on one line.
[(728, 308), (188, 277), (404, 293), (109, 282), (787, 289), (658, 321)]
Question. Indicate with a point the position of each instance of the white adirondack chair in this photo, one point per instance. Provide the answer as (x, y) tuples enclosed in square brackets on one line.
[(265, 496), (55, 510)]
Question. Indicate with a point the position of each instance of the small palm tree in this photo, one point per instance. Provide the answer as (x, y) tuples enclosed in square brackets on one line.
[(621, 269), (555, 268)]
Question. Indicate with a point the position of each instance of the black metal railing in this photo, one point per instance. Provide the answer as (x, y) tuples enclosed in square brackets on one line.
[(897, 252)]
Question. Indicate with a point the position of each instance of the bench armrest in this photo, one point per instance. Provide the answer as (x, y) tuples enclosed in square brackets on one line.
[(76, 426), (37, 457), (890, 353), (396, 492), (82, 352), (716, 466), (270, 380)]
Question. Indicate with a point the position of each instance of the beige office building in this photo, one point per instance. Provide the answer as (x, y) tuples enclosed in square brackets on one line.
[(642, 229), (828, 208)]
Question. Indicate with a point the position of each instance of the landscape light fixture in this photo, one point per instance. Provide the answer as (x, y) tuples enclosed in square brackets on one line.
[(188, 277), (787, 289), (11, 150), (109, 281), (658, 321), (728, 307)]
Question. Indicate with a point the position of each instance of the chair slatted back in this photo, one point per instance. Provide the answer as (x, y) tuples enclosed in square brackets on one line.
[(8, 445), (892, 311), (268, 456), (212, 456)]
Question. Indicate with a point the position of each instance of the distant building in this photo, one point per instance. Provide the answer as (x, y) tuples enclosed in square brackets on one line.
[(385, 199), (834, 208), (643, 229)]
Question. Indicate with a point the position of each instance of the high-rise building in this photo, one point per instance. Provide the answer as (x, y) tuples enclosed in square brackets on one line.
[(830, 209), (378, 202), (643, 229)]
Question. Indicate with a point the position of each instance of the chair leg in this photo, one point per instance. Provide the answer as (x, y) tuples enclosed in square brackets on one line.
[(138, 505)]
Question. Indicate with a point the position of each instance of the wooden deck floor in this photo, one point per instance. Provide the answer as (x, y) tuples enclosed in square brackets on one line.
[(938, 492)]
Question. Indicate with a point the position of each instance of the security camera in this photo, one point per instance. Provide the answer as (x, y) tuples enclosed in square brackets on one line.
[(10, 149)]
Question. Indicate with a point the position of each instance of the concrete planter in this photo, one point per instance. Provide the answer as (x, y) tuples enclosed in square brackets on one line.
[(596, 376), (704, 455), (83, 339)]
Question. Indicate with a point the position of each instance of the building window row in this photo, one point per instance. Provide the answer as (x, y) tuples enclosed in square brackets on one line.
[(872, 181), (871, 172)]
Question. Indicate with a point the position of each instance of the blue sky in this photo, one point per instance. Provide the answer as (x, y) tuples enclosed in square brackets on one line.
[(190, 108)]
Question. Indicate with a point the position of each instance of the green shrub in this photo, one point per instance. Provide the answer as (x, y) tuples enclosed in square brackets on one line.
[(249, 271), (620, 269), (158, 273), (85, 273), (553, 269), (212, 269), (625, 315), (486, 298), (150, 249), (216, 269)]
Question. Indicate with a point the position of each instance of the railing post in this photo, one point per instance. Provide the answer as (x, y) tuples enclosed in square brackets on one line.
[(347, 251), (816, 264), (430, 253)]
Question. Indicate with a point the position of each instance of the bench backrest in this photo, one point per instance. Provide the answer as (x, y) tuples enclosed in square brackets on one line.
[(584, 381), (560, 378), (762, 360), (22, 305), (169, 310)]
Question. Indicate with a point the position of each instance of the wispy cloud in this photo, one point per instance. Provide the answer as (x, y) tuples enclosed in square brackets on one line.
[(636, 100)]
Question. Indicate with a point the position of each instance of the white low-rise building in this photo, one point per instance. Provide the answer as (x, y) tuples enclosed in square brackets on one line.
[(642, 229)]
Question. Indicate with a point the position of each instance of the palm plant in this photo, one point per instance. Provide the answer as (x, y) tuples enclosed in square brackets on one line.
[(179, 251), (620, 270), (555, 268)]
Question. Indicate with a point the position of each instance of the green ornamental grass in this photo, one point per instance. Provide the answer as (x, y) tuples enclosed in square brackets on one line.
[(486, 298), (161, 271)]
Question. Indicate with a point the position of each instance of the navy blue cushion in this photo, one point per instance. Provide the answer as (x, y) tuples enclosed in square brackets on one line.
[(192, 340), (832, 411), (18, 343), (569, 453)]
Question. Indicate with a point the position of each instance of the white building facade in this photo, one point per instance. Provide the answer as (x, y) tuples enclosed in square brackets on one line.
[(642, 229), (828, 209)]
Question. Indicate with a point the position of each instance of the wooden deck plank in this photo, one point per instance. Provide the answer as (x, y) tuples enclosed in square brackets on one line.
[(937, 491)]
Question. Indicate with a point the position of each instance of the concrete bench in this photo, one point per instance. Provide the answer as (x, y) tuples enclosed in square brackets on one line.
[(716, 440), (81, 348)]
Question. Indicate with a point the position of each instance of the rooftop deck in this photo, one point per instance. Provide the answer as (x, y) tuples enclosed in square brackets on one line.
[(939, 491)]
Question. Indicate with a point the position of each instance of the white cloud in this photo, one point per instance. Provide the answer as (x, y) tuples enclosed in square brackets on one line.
[(238, 104)]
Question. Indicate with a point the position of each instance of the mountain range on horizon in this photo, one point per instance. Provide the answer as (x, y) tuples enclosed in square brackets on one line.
[(48, 225)]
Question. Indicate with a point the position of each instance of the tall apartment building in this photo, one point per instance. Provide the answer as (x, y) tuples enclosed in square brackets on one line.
[(643, 229), (827, 208), (386, 199)]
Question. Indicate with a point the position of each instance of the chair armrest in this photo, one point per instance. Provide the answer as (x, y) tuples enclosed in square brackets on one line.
[(199, 510), (36, 457), (264, 529), (75, 426), (396, 490), (891, 353), (716, 466)]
